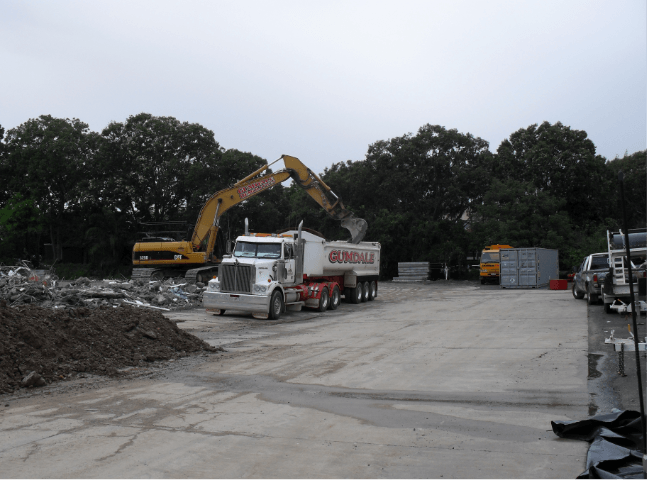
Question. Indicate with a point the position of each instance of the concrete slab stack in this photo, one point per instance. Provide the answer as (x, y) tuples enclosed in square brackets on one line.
[(412, 272)]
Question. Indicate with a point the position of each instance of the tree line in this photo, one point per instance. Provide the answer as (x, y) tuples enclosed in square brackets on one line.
[(437, 195)]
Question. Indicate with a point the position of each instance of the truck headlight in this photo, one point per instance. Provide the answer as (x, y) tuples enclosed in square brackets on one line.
[(214, 286), (259, 288)]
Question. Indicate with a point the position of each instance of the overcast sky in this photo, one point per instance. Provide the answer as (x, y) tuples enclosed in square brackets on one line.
[(323, 80)]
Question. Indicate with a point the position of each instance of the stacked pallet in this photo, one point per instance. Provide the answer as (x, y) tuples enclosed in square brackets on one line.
[(412, 272)]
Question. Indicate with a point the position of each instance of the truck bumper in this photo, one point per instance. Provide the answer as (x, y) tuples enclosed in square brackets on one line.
[(236, 301)]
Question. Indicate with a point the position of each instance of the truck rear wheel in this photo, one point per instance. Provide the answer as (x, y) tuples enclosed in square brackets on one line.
[(335, 298), (365, 288), (356, 294), (372, 290), (323, 300), (591, 298), (276, 305)]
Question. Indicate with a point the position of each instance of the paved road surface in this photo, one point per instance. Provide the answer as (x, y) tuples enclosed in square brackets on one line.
[(430, 380)]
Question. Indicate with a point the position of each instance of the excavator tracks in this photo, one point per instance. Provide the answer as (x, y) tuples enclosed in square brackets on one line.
[(202, 274), (147, 274)]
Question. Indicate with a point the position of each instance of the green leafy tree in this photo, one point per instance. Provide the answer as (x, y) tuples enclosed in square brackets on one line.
[(416, 192), (48, 161), (157, 168), (561, 162), (635, 174)]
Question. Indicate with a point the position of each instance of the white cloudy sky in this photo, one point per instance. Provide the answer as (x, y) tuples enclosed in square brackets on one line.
[(323, 80)]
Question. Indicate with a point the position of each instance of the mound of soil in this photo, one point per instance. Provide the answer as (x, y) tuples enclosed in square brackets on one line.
[(57, 342)]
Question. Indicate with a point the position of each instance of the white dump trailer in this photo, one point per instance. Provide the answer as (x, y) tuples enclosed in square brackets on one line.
[(268, 274)]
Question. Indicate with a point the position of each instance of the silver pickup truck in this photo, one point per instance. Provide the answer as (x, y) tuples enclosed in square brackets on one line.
[(589, 277)]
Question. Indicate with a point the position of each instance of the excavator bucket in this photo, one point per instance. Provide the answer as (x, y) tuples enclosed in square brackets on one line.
[(357, 228)]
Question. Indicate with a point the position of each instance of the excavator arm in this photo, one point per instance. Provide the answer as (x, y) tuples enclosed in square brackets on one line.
[(208, 224), (206, 228)]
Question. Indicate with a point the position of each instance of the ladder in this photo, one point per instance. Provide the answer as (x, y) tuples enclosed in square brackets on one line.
[(619, 276)]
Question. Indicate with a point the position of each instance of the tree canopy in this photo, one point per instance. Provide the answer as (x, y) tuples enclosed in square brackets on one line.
[(436, 195)]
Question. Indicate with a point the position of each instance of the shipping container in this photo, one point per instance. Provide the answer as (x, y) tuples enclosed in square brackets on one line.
[(528, 267)]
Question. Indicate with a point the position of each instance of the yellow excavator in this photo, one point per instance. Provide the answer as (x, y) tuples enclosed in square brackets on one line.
[(155, 260)]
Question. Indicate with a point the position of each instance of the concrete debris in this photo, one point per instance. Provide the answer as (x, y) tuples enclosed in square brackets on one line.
[(33, 380), (20, 285)]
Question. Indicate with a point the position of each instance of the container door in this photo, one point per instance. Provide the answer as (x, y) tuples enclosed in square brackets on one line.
[(509, 270), (528, 268)]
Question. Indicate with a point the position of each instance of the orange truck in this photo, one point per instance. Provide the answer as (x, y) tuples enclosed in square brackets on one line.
[(490, 265)]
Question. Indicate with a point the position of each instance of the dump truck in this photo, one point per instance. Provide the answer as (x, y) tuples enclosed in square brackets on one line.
[(268, 274), (490, 265), (197, 259)]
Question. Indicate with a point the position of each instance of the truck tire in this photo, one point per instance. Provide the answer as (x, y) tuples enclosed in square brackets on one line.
[(372, 290), (356, 294), (607, 308), (323, 300), (365, 288), (591, 298), (276, 305), (222, 312), (577, 294), (335, 298)]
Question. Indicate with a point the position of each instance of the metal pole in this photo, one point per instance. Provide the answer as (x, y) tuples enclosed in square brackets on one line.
[(621, 178)]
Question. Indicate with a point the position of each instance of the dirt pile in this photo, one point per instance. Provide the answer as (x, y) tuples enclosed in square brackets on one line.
[(55, 343), (22, 286)]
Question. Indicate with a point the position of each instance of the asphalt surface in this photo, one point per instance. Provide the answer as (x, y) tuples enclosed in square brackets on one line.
[(608, 389), (443, 379)]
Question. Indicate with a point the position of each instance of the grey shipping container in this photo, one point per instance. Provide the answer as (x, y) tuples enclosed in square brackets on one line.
[(528, 267)]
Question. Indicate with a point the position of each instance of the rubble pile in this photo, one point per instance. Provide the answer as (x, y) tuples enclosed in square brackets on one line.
[(41, 345), (21, 286)]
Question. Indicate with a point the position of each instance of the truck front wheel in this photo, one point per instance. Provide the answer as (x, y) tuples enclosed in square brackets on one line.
[(323, 300), (335, 298), (276, 305)]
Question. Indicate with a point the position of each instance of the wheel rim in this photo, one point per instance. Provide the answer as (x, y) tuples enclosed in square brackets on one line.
[(360, 292), (277, 305), (373, 290), (324, 301), (335, 297)]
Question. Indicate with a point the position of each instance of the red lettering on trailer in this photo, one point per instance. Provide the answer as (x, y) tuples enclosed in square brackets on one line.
[(345, 256), (252, 188)]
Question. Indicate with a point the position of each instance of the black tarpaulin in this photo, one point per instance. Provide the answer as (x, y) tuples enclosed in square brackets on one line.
[(616, 440)]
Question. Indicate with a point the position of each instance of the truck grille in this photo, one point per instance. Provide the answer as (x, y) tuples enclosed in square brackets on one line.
[(237, 278)]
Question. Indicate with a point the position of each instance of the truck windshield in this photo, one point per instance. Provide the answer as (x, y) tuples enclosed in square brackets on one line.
[(490, 257), (257, 250), (599, 262)]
